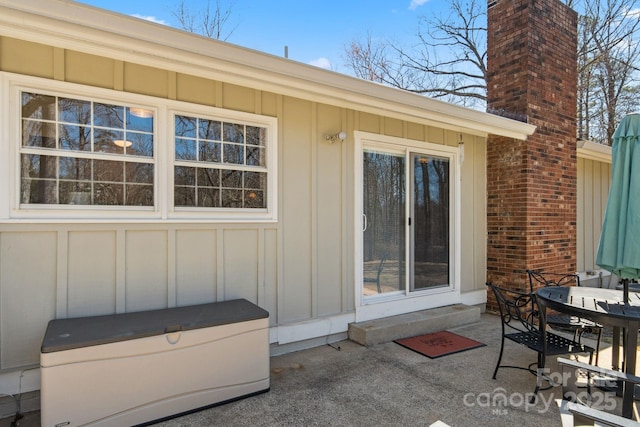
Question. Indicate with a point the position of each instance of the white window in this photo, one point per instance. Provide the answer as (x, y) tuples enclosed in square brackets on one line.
[(82, 152), (219, 164)]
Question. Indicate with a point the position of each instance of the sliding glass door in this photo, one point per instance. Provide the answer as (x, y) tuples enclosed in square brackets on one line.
[(430, 222), (406, 221), (384, 213)]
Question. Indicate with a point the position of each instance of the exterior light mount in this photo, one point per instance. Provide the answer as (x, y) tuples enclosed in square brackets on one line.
[(340, 136)]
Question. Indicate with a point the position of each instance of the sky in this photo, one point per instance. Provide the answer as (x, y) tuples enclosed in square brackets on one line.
[(314, 31)]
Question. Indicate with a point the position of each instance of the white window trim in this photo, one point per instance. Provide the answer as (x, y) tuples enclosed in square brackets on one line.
[(248, 119), (164, 109), (406, 302)]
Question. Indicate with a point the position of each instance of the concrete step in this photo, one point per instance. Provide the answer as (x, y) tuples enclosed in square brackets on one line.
[(408, 325)]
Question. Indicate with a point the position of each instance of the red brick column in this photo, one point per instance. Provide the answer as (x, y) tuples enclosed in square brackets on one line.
[(532, 76)]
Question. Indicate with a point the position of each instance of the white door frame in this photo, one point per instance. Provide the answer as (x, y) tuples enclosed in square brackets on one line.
[(383, 306)]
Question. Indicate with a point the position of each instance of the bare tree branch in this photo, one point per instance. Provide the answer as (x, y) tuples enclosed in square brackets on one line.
[(367, 59), (459, 76), (449, 61), (209, 22), (607, 75)]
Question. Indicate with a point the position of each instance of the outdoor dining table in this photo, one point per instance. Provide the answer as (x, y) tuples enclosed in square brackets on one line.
[(604, 306)]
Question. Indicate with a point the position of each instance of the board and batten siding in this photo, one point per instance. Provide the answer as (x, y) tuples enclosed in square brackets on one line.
[(52, 271), (594, 179), (299, 268)]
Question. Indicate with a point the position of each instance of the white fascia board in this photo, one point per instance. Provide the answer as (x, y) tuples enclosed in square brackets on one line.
[(593, 151), (76, 26)]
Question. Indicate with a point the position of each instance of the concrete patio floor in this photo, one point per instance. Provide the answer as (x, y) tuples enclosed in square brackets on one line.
[(347, 384)]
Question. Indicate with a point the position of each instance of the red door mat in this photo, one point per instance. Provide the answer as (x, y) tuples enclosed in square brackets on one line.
[(439, 344)]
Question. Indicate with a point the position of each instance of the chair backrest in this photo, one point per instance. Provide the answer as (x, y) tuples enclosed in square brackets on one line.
[(518, 310), (538, 279)]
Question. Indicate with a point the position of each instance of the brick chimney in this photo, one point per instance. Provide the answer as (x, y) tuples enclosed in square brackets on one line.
[(532, 76)]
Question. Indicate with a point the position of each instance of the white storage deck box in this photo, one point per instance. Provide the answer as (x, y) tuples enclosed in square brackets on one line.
[(132, 368)]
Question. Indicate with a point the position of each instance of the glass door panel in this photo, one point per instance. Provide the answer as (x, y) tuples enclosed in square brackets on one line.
[(384, 213), (430, 221)]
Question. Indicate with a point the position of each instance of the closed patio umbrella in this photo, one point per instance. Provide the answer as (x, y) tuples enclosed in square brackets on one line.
[(619, 249)]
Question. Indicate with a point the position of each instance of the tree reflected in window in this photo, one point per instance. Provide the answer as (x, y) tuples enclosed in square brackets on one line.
[(84, 152), (219, 164)]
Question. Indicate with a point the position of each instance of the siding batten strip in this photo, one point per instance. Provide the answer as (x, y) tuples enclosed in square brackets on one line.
[(344, 199), (314, 205), (280, 231)]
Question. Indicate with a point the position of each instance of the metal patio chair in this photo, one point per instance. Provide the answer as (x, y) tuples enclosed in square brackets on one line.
[(577, 325), (519, 320)]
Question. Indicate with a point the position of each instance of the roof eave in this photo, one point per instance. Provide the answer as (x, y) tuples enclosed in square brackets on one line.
[(88, 29), (593, 151)]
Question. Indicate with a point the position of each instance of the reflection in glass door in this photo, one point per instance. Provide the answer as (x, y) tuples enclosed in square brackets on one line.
[(430, 222), (384, 213)]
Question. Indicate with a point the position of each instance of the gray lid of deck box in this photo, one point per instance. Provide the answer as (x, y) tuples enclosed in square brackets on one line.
[(67, 334)]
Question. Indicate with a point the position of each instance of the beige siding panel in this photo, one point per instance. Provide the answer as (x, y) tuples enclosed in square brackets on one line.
[(601, 192), (58, 63), (590, 228), (393, 127), (452, 139), (415, 131), (241, 264), (269, 104), (146, 80), (118, 75), (296, 211), (368, 122), (592, 233), (91, 283), (348, 215), (88, 69), (580, 224), (479, 208), (22, 57), (196, 90), (594, 179), (196, 268), (28, 295), (146, 270), (603, 189), (597, 204), (435, 135), (270, 256), (238, 98), (605, 182), (329, 216), (467, 188)]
